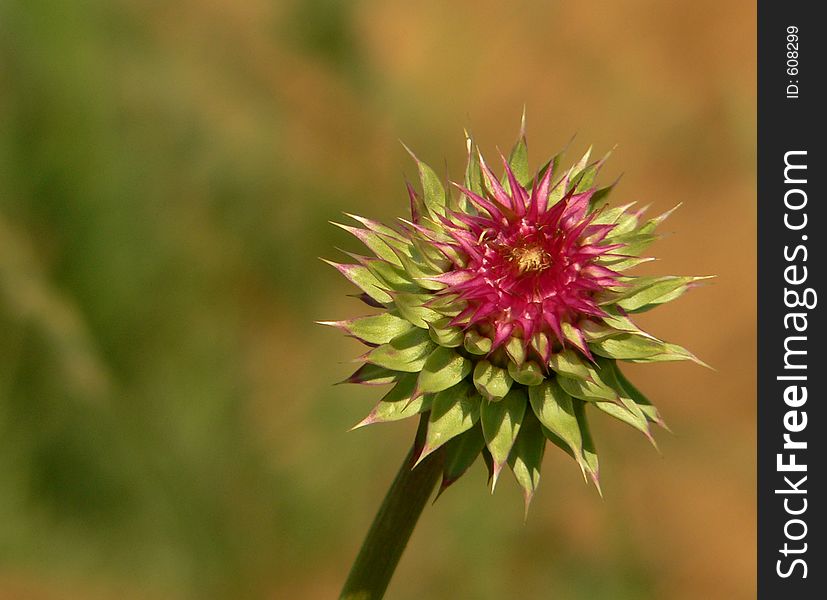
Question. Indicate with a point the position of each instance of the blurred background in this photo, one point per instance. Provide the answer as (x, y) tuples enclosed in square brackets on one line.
[(168, 423)]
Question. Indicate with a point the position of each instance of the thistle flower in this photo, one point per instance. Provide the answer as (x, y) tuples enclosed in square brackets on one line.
[(505, 309)]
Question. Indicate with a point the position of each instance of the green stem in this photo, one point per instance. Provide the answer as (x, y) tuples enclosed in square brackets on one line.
[(392, 527)]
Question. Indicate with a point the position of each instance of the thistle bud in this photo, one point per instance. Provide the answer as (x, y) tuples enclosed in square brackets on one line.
[(505, 310)]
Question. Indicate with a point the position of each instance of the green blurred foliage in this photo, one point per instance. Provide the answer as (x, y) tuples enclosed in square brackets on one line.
[(168, 426)]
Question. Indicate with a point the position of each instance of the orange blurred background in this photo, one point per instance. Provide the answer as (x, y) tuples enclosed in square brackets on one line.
[(168, 427)]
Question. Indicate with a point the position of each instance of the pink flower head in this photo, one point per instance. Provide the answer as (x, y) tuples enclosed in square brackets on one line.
[(505, 312), (528, 265)]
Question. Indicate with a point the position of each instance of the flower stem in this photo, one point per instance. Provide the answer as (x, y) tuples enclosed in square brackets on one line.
[(392, 527)]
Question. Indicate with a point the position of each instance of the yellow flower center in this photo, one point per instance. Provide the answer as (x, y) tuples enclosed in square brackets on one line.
[(530, 258)]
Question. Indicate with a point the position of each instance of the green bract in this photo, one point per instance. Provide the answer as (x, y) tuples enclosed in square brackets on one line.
[(504, 308)]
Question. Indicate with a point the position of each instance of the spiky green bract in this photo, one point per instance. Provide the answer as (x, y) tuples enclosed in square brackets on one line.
[(505, 307)]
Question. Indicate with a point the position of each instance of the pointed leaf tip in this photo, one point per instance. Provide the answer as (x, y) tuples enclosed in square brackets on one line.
[(522, 123), (432, 189), (526, 456), (401, 402)]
